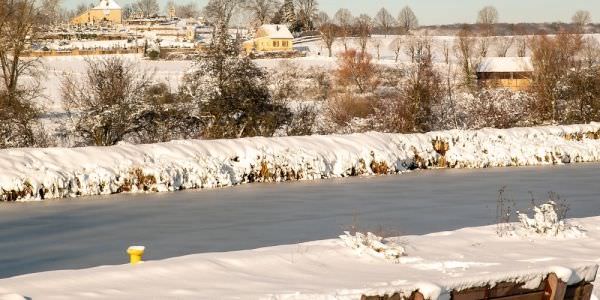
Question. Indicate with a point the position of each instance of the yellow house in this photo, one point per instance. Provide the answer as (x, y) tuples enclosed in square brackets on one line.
[(270, 38), (107, 11), (505, 72)]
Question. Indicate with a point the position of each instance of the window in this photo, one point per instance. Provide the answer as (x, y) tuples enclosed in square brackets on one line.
[(275, 43), (284, 43)]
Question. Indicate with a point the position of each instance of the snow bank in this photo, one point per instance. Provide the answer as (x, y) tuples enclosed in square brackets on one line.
[(434, 264), (61, 172)]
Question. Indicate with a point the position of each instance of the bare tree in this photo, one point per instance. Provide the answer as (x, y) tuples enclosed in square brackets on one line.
[(407, 19), (487, 18), (377, 43), (343, 19), (521, 46), (81, 8), (321, 19), (487, 15), (147, 8), (219, 13), (396, 46), (582, 18), (307, 13), (329, 34), (22, 23), (483, 44), (446, 52), (591, 52), (553, 58), (464, 50), (129, 11), (417, 47), (364, 25), (189, 10), (262, 10), (503, 44), (385, 20), (411, 47)]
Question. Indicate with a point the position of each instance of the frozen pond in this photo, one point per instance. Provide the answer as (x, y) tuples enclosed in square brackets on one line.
[(85, 232)]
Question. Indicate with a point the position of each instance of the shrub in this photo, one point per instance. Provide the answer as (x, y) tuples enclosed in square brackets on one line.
[(116, 100), (303, 120), (356, 70), (153, 54), (19, 125), (344, 107)]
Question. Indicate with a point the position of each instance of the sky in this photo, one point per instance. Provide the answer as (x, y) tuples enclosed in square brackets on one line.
[(435, 12)]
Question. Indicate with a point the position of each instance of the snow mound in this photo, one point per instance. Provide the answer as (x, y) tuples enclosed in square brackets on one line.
[(12, 297), (468, 257), (547, 222), (372, 245)]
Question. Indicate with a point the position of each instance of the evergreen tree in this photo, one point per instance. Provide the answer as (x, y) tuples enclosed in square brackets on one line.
[(233, 95)]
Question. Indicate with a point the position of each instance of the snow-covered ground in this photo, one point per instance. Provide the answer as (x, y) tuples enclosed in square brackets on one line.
[(192, 164), (329, 269)]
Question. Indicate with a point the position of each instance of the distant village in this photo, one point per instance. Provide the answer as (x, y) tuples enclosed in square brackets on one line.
[(107, 29)]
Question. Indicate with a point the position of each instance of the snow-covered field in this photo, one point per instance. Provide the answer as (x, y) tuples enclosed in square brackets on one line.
[(329, 269), (55, 68), (192, 164)]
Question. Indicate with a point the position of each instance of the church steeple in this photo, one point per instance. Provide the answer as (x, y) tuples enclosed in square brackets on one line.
[(172, 14)]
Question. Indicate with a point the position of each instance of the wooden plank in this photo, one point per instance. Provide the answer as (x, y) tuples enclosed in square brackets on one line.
[(395, 296), (503, 289), (476, 293), (416, 295), (555, 288), (506, 289), (539, 295), (582, 291), (551, 289)]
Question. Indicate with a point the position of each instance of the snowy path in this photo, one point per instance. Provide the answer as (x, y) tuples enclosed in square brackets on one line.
[(87, 232), (327, 269)]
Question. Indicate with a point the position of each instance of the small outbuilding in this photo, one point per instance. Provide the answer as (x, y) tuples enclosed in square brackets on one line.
[(107, 11), (270, 38), (506, 72)]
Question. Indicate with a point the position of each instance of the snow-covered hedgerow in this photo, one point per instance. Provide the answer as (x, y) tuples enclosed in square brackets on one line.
[(67, 172)]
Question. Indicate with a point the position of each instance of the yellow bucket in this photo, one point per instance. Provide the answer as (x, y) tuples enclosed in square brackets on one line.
[(135, 254)]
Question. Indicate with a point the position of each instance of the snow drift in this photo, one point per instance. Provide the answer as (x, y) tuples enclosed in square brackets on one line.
[(434, 264), (28, 174)]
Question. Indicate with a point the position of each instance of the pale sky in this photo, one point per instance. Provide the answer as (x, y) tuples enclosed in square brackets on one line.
[(432, 12)]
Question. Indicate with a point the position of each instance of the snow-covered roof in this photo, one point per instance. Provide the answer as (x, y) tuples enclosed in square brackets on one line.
[(505, 65), (275, 31), (108, 4)]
